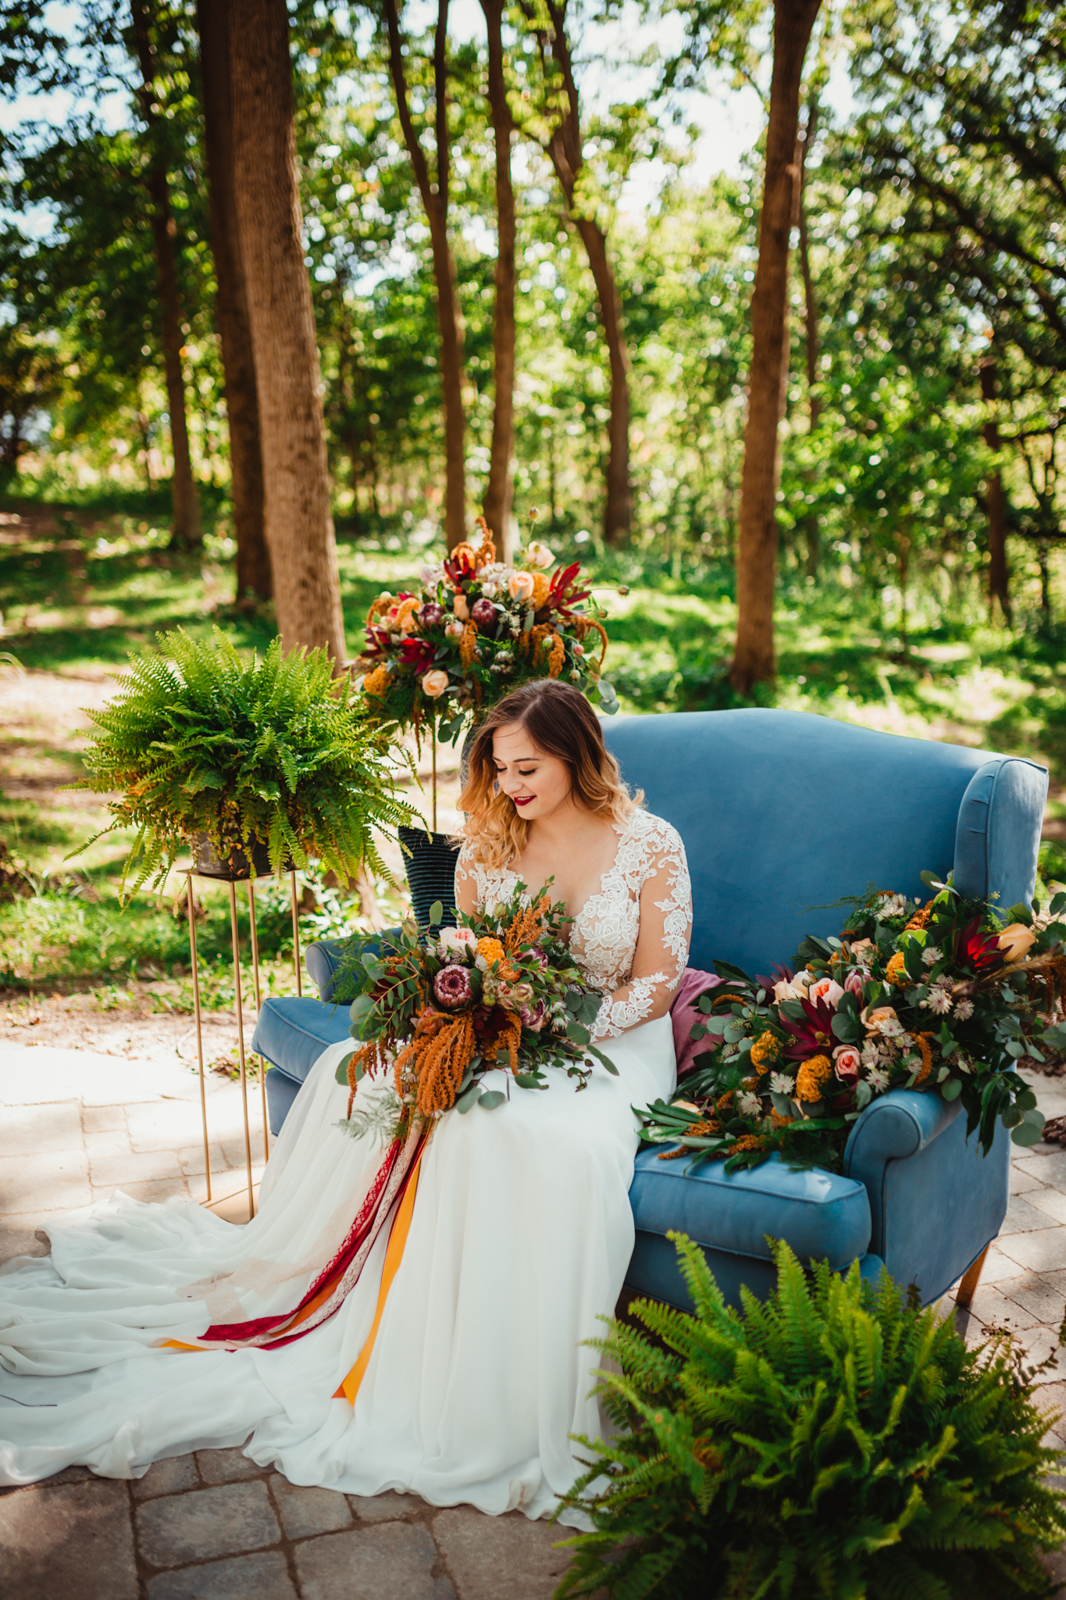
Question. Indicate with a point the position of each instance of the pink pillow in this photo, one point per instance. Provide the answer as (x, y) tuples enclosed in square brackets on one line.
[(684, 1012)]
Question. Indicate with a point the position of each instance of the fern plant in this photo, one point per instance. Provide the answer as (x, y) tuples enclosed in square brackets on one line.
[(269, 750), (832, 1443)]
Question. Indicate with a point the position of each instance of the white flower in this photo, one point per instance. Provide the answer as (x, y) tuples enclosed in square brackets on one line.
[(963, 1010), (431, 576), (931, 955), (781, 1083), (489, 591), (891, 905), (537, 555), (454, 629), (748, 1104), (877, 1078), (871, 1055), (939, 997)]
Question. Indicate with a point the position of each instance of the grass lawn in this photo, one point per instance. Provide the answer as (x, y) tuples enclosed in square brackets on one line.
[(80, 587)]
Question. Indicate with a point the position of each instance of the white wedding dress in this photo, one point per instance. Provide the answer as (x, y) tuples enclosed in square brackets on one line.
[(519, 1243)]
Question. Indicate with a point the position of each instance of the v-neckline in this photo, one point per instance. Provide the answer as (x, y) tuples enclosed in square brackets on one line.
[(620, 829)]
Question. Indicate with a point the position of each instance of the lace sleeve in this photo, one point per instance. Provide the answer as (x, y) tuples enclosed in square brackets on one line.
[(466, 880), (662, 942)]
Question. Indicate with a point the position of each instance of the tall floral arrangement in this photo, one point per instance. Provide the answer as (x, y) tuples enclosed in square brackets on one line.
[(475, 628), (942, 997)]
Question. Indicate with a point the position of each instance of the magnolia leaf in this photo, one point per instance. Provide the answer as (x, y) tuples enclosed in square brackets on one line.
[(491, 1099)]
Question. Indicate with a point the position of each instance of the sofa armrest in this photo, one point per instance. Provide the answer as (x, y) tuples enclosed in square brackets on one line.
[(326, 958), (893, 1127)]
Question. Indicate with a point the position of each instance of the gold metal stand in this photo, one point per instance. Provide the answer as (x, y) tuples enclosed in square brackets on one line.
[(242, 1058)]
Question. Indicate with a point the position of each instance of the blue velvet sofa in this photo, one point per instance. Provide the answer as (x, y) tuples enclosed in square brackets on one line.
[(784, 814)]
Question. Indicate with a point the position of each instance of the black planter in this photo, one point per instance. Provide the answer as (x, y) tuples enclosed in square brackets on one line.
[(236, 868), (429, 860)]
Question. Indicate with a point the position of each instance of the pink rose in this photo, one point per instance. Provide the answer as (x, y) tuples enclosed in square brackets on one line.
[(826, 989), (846, 1062), (853, 983), (520, 586), (455, 943)]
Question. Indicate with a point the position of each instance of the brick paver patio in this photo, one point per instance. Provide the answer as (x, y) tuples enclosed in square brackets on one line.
[(74, 1127)]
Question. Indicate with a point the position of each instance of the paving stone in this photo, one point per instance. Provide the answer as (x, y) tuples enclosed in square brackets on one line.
[(1052, 1202), (1020, 1182), (1022, 1217), (166, 1477), (108, 1144), (1056, 1568), (72, 1542), (111, 1172), (1037, 1296), (36, 1183), (150, 1193), (392, 1562), (206, 1523), (264, 1576), (387, 1507), (501, 1558), (1046, 1169), (35, 1130), (306, 1511), (227, 1466), (992, 1307), (1042, 1250), (18, 1237), (192, 1160), (102, 1119), (997, 1267)]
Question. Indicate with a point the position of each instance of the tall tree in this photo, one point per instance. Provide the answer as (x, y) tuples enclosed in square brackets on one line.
[(435, 196), (187, 533), (253, 574), (496, 507), (299, 521), (753, 651), (564, 146), (995, 496)]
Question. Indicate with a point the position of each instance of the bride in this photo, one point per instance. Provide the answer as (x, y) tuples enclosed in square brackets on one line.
[(519, 1238)]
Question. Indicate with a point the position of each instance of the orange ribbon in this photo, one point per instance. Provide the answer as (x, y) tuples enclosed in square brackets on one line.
[(401, 1227)]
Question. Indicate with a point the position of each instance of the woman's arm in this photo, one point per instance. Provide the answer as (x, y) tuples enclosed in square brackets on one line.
[(465, 886), (662, 948)]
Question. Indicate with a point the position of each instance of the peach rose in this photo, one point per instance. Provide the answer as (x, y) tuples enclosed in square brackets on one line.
[(434, 683), (882, 1020), (846, 1062), (460, 607), (1015, 941), (826, 989), (520, 586)]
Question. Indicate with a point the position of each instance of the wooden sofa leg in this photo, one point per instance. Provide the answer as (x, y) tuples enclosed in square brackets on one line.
[(968, 1286)]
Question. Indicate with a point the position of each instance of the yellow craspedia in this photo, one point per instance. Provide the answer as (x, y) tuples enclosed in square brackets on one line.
[(811, 1076), (376, 682), (491, 950), (896, 971), (765, 1051)]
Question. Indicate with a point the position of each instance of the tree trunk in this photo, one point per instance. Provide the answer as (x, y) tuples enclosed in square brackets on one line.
[(753, 654), (564, 148), (811, 338), (186, 533), (435, 205), (497, 504), (998, 573), (299, 522), (253, 575)]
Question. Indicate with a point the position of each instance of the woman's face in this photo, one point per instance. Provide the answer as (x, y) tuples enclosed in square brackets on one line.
[(538, 784)]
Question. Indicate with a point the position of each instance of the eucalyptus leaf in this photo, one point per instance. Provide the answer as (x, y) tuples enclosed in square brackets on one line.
[(491, 1099)]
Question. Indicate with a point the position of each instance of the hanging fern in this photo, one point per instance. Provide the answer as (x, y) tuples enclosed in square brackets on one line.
[(269, 751), (832, 1443)]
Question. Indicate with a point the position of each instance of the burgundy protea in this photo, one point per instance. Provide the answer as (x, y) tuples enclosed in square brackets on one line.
[(416, 653), (452, 987), (534, 1016), (483, 612), (813, 1036), (431, 615)]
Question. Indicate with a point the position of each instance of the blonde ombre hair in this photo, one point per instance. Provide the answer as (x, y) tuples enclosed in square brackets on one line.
[(561, 723)]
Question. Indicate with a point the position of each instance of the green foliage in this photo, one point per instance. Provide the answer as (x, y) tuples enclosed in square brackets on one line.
[(266, 751), (832, 1443)]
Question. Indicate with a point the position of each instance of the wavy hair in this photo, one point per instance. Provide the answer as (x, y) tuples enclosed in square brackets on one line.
[(561, 723)]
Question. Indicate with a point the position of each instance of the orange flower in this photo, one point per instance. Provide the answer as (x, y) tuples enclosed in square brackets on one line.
[(468, 644), (764, 1051), (896, 971), (491, 951), (811, 1076), (747, 1141), (556, 656), (376, 682), (919, 920), (541, 586), (1015, 940)]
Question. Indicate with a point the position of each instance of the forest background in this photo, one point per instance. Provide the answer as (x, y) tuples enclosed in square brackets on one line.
[(918, 581)]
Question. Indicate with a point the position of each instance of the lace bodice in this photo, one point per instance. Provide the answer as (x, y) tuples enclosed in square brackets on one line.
[(606, 932)]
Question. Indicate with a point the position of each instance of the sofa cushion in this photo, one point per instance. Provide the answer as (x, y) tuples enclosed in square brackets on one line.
[(822, 1215), (293, 1031)]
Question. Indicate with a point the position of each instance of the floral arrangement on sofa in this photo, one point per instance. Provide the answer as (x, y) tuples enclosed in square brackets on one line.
[(476, 628), (939, 997)]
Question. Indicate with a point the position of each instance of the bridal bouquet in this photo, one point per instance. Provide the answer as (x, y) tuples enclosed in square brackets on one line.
[(937, 997), (500, 990), (473, 630)]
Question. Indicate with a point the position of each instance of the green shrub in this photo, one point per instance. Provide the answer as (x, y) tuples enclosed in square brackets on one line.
[(833, 1442), (268, 751)]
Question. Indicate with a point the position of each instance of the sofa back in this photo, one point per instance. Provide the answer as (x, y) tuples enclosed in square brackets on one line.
[(784, 813)]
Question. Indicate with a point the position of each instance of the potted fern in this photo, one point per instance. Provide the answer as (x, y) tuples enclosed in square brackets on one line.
[(252, 764), (836, 1442)]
